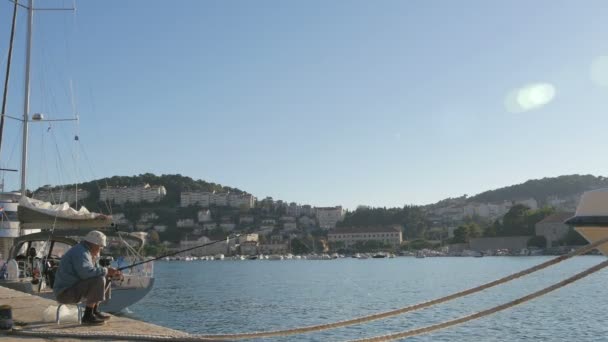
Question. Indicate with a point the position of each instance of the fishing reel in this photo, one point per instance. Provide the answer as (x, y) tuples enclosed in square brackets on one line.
[(105, 261)]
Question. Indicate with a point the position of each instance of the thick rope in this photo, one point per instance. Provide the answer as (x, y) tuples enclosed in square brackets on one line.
[(443, 325), (390, 337), (414, 307), (98, 335)]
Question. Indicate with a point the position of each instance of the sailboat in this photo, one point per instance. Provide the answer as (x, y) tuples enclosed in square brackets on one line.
[(48, 230), (591, 217)]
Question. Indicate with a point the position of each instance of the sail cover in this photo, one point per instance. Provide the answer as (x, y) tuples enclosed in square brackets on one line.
[(33, 214)]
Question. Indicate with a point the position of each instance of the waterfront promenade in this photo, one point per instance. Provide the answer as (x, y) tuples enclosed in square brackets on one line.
[(28, 317)]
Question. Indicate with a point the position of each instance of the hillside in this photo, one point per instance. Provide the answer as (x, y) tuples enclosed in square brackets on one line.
[(174, 184), (541, 189)]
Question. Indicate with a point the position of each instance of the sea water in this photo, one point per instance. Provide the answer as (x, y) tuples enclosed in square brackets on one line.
[(221, 297)]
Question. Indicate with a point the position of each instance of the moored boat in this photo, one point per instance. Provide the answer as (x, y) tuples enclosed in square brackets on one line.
[(34, 259)]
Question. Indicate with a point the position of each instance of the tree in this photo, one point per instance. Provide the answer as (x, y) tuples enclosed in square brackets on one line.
[(153, 237), (461, 235), (464, 232), (298, 247), (515, 221), (412, 218), (155, 250), (521, 220), (492, 229)]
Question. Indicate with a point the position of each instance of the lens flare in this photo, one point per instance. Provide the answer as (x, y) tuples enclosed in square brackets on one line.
[(530, 97)]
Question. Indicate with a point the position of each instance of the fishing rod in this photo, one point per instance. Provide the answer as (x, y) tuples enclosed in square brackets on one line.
[(228, 238)]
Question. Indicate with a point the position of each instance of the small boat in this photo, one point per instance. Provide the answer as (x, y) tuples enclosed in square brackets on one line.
[(379, 255)]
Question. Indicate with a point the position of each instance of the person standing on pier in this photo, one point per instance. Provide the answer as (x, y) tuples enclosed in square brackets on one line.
[(80, 277)]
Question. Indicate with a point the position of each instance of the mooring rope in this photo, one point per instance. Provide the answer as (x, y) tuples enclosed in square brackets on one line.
[(480, 314), (381, 315), (414, 307), (389, 337), (98, 335)]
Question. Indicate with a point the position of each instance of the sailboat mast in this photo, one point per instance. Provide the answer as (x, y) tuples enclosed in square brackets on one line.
[(26, 100), (8, 73)]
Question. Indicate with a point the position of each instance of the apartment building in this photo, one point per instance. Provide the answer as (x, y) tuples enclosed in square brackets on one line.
[(391, 235), (328, 217), (134, 194)]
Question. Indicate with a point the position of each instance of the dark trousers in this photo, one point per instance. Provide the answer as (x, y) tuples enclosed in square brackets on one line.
[(92, 291)]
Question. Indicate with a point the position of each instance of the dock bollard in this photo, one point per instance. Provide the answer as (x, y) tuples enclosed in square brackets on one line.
[(6, 317)]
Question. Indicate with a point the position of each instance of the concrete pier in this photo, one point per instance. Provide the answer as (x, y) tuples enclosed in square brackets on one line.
[(28, 312)]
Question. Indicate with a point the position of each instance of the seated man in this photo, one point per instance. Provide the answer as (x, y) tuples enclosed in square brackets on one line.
[(80, 277)]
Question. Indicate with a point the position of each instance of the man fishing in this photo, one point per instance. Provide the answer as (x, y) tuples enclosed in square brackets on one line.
[(80, 277)]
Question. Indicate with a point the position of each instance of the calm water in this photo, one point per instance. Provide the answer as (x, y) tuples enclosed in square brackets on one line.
[(241, 296)]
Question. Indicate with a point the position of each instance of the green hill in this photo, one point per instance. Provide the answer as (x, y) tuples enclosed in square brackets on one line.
[(174, 184), (540, 189)]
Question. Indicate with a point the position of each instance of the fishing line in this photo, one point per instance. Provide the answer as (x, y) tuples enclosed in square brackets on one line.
[(178, 252)]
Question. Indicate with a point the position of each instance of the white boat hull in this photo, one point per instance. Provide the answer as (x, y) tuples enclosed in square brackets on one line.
[(126, 295), (123, 295)]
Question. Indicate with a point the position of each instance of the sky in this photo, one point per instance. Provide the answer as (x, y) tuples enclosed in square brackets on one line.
[(344, 102)]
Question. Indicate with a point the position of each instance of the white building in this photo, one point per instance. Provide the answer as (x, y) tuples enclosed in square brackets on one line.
[(528, 202), (222, 199), (241, 201), (497, 210), (135, 194), (227, 226), (148, 217), (61, 196), (349, 236), (200, 198), (204, 216), (160, 228), (553, 227), (185, 223), (328, 217), (289, 226), (294, 209), (248, 237)]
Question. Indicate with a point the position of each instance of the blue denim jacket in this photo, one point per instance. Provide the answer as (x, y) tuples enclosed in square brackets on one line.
[(76, 265)]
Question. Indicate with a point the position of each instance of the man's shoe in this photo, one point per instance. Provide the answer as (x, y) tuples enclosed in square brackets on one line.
[(101, 315), (91, 319)]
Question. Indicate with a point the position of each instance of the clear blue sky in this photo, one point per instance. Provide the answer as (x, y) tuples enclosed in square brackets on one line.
[(381, 103)]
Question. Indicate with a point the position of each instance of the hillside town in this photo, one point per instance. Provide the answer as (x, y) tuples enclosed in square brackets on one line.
[(268, 226)]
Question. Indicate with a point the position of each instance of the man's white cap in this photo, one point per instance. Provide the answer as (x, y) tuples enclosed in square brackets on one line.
[(96, 237)]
